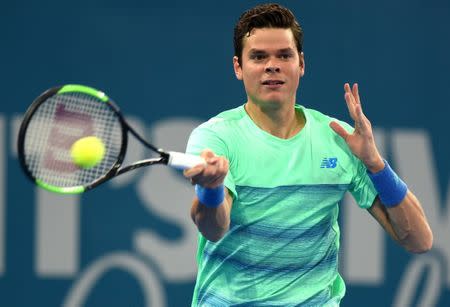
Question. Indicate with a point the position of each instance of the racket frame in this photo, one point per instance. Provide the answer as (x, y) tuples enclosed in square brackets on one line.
[(115, 170), (176, 160)]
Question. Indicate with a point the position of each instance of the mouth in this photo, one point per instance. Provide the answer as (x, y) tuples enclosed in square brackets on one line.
[(272, 82)]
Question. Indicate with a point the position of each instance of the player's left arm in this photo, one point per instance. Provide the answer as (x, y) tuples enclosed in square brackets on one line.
[(405, 223), (397, 209)]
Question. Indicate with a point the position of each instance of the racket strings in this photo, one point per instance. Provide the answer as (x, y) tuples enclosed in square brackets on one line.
[(59, 122)]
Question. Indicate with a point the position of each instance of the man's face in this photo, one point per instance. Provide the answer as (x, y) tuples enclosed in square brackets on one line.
[(271, 66)]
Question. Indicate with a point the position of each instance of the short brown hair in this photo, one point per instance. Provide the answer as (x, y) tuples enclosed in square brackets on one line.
[(270, 15)]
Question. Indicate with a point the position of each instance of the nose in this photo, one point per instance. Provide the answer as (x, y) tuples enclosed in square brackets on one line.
[(272, 69)]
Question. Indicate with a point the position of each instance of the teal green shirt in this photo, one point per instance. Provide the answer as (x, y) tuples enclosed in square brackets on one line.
[(283, 242)]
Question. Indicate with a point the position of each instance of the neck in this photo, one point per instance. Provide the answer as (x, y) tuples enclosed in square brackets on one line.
[(283, 122)]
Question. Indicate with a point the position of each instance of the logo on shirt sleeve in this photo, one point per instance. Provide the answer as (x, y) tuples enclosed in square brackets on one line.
[(328, 163)]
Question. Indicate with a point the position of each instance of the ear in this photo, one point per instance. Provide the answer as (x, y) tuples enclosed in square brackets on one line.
[(237, 68), (302, 64)]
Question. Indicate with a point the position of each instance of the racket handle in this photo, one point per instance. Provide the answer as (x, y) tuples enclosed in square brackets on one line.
[(183, 161)]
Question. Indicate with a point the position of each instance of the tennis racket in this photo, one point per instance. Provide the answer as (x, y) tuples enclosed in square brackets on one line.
[(61, 116)]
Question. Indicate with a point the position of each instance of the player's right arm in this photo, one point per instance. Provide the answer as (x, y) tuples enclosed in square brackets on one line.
[(212, 222)]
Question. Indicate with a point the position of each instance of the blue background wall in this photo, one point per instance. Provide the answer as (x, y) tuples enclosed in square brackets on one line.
[(169, 66)]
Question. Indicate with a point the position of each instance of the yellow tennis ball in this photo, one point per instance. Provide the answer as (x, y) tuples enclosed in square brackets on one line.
[(87, 152)]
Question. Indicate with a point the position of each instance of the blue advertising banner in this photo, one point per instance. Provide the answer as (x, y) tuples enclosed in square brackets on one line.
[(168, 65)]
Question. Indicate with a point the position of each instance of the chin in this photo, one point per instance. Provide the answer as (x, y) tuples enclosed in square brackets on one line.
[(269, 103), (274, 99)]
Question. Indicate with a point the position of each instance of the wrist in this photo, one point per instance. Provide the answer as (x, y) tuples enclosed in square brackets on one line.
[(210, 197), (391, 189), (375, 166)]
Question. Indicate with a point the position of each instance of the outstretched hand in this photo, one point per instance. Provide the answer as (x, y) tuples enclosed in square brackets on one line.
[(209, 175), (361, 142)]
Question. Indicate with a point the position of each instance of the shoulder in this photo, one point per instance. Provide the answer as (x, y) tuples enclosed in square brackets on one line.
[(217, 132), (222, 122)]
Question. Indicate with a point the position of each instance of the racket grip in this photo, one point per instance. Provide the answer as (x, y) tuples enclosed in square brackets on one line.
[(183, 161)]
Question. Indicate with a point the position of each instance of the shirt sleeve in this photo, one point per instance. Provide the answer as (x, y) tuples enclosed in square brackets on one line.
[(362, 187), (205, 137)]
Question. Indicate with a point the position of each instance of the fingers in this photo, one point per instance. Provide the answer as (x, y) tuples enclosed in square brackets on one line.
[(359, 113), (350, 105), (207, 154), (355, 92), (350, 100), (218, 174), (194, 171), (339, 130), (354, 103), (210, 175)]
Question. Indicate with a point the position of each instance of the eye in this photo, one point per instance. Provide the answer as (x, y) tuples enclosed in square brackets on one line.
[(257, 56), (285, 56)]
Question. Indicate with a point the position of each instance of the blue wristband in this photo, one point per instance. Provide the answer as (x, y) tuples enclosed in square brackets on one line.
[(389, 186), (211, 198)]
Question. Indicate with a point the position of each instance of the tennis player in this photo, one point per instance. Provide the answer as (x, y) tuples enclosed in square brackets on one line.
[(267, 201)]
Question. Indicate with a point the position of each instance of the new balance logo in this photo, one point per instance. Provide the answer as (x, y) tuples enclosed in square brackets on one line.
[(328, 163)]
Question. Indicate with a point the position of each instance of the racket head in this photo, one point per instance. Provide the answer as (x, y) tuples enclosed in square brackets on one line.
[(54, 121)]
